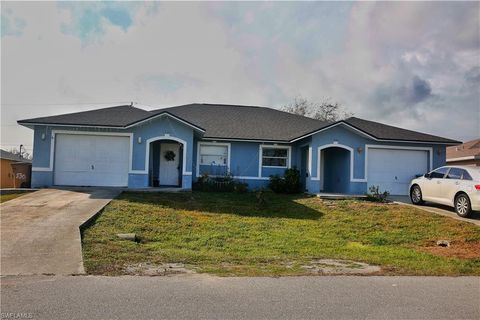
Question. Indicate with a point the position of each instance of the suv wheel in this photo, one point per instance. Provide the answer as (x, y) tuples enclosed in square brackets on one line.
[(416, 195), (462, 205)]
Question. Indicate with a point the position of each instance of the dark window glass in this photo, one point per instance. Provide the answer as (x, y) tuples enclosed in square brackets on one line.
[(466, 175), (455, 173), (273, 157), (439, 173), (275, 162), (269, 152)]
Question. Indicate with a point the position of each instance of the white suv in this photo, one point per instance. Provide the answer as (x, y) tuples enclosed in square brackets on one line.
[(454, 186)]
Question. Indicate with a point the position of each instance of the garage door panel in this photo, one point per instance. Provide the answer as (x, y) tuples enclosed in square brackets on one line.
[(392, 169), (89, 160)]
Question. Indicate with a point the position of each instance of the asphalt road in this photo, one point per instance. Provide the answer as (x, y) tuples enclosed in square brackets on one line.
[(206, 297)]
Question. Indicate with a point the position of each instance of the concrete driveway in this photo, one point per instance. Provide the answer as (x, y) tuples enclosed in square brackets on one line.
[(438, 209), (40, 231)]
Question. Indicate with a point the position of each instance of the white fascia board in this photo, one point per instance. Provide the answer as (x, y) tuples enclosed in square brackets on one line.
[(166, 114)]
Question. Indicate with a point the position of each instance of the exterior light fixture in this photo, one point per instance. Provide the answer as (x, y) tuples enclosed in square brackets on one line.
[(139, 140), (335, 141), (43, 136), (359, 149)]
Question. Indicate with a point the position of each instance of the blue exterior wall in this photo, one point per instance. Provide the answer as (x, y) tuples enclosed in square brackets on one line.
[(345, 136), (244, 156), (156, 128), (138, 176), (244, 163)]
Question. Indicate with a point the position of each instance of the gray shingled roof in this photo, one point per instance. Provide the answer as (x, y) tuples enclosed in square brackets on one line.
[(11, 156), (120, 116), (220, 121), (245, 122), (385, 132)]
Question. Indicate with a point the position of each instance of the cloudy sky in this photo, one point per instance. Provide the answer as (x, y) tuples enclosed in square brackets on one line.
[(415, 65)]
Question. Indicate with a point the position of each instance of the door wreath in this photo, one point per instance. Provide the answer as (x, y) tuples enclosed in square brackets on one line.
[(169, 155)]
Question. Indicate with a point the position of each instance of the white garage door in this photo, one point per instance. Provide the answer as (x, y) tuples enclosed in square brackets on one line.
[(88, 160), (392, 169)]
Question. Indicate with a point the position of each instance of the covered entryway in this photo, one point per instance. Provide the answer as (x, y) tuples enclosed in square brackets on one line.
[(166, 158), (91, 160), (335, 170), (393, 169)]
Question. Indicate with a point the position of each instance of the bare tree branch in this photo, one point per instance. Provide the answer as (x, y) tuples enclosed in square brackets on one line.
[(324, 111)]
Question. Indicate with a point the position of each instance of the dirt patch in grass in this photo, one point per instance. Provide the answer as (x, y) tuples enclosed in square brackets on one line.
[(229, 234), (457, 249), (149, 269), (332, 266)]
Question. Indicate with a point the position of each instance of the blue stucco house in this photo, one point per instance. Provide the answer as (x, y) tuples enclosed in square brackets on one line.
[(126, 146)]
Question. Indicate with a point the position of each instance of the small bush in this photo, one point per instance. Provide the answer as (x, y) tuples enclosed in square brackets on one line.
[(261, 201), (240, 187), (277, 184), (289, 183), (224, 183), (375, 195)]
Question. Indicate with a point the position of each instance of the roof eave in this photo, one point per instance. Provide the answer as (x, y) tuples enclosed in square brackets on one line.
[(452, 142), (132, 124), (162, 114), (32, 124), (246, 140)]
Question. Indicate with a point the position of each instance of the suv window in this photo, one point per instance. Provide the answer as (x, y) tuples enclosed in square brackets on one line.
[(466, 175), (455, 173), (439, 173)]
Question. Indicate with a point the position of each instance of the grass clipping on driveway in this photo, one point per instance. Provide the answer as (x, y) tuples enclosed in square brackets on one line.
[(229, 234)]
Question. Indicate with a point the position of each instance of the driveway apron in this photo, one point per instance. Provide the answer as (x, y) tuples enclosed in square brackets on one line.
[(40, 231)]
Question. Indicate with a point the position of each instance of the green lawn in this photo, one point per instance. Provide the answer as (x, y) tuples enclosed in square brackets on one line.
[(229, 234), (10, 196)]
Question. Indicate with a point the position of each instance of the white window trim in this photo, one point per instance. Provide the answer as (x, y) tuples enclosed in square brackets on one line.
[(223, 144), (53, 139), (272, 146)]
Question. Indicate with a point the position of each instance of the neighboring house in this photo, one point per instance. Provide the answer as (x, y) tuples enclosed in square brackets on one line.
[(128, 146), (15, 170), (467, 154)]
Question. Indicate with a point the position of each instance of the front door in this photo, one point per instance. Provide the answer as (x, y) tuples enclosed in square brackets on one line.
[(169, 164)]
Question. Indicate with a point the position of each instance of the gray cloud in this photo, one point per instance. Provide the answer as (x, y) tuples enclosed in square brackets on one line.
[(473, 75), (414, 64), (419, 90)]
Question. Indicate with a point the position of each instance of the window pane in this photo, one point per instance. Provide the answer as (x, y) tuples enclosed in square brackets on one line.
[(214, 150), (272, 152), (274, 162), (466, 175), (455, 173), (213, 155), (213, 160), (439, 173)]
